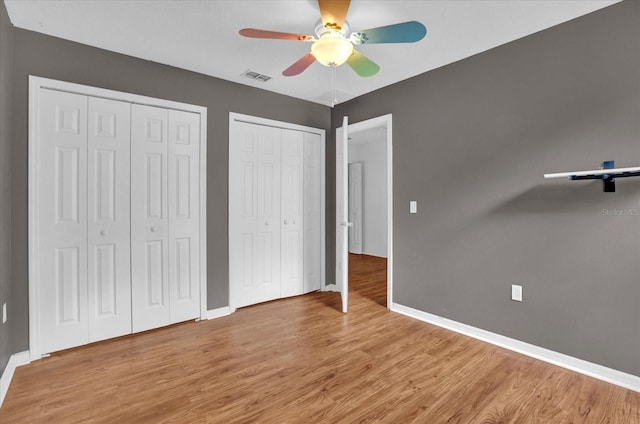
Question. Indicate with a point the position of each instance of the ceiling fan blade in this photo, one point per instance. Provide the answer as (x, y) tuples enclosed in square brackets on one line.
[(260, 33), (362, 64), (333, 13), (406, 32), (301, 64)]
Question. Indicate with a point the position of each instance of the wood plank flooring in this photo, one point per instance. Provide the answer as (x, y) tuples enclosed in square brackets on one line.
[(300, 360)]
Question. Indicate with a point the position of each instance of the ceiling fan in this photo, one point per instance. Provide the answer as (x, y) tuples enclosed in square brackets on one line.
[(333, 47)]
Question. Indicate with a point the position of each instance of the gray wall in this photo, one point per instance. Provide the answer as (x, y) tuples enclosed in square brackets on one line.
[(471, 142), (50, 57), (6, 68)]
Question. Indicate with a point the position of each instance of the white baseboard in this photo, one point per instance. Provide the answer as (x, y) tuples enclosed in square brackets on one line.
[(16, 360), (619, 378), (219, 312), (330, 288)]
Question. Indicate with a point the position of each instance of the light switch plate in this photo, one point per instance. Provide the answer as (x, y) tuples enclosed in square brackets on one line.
[(413, 206), (516, 293), (4, 312)]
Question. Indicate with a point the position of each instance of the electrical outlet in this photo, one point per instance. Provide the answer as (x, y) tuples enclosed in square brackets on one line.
[(516, 292), (4, 312)]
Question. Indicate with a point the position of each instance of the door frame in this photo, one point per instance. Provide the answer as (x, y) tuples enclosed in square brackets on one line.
[(249, 119), (384, 121), (36, 84), (356, 225)]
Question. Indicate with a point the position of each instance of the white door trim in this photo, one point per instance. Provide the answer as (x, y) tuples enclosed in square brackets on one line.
[(36, 84), (239, 117), (385, 121)]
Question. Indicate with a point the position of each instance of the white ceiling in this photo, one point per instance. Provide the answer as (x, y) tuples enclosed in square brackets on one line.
[(202, 36)]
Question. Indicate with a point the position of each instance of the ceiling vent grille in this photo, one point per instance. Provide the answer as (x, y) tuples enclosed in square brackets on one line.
[(256, 76)]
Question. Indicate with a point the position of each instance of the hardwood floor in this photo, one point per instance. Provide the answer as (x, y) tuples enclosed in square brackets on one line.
[(300, 360)]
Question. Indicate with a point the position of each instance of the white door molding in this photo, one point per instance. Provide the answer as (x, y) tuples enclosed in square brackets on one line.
[(355, 207), (36, 85)]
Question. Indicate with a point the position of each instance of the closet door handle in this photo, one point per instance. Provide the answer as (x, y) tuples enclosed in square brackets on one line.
[(266, 223), (103, 233), (286, 222), (154, 229)]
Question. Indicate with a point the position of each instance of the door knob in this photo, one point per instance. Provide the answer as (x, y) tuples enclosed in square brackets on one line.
[(286, 222), (266, 223), (103, 233), (154, 229)]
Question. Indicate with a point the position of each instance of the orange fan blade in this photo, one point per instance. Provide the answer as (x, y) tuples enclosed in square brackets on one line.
[(297, 68), (260, 33), (333, 13)]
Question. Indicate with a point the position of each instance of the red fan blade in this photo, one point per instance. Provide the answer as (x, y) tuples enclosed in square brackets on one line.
[(297, 68), (333, 13), (260, 33)]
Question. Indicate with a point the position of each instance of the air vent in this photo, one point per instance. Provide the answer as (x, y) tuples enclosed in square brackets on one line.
[(256, 76)]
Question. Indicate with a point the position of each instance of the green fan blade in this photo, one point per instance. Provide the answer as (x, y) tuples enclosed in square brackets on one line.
[(362, 64)]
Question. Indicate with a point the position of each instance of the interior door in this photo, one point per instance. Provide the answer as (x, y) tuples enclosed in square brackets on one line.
[(342, 218), (109, 272), (149, 223), (292, 201), (355, 207), (62, 130), (184, 215)]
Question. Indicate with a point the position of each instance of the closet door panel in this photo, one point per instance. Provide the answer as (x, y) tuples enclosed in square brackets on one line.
[(109, 271), (243, 197), (62, 218), (267, 248), (149, 218), (184, 215), (254, 209), (292, 201), (312, 212)]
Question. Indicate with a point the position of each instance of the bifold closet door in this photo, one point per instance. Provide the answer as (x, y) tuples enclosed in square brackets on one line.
[(184, 215), (83, 219), (108, 169), (312, 212), (62, 195), (254, 201), (149, 218), (165, 216), (292, 216)]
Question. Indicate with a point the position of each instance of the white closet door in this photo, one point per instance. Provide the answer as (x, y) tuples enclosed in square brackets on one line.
[(312, 212), (62, 162), (292, 201), (109, 272), (184, 215), (254, 208), (149, 220)]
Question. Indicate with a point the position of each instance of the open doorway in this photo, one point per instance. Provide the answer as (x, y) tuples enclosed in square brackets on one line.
[(362, 136), (367, 211)]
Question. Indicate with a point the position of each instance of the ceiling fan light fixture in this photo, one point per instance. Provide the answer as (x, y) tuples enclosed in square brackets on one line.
[(332, 49)]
